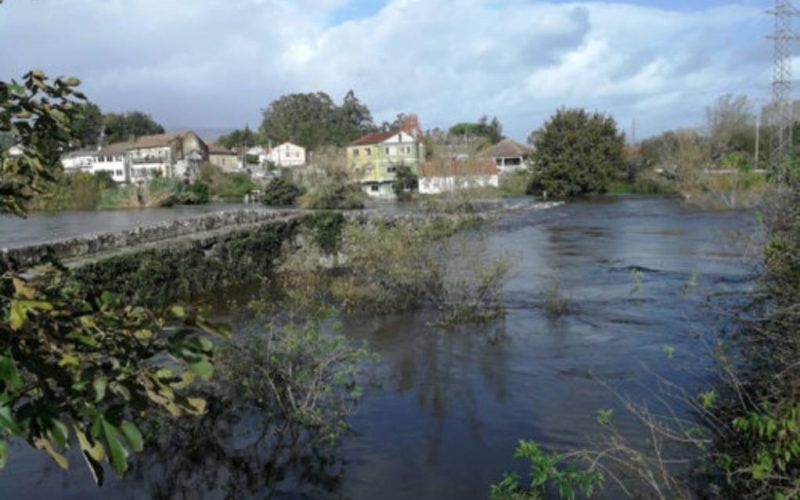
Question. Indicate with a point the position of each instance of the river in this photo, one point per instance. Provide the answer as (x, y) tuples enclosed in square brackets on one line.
[(447, 407)]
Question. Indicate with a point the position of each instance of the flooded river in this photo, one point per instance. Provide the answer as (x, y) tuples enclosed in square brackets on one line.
[(447, 407)]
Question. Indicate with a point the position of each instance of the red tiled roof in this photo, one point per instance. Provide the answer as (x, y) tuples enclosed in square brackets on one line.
[(449, 167), (374, 138)]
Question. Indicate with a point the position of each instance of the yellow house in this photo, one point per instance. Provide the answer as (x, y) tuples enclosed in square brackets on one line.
[(374, 159)]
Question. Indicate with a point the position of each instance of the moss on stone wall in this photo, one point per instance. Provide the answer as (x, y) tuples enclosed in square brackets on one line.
[(192, 267), (327, 230)]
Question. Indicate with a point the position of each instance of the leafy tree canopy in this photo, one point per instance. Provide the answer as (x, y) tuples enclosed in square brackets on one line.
[(87, 125), (491, 130), (313, 119), (121, 127), (37, 115), (240, 137), (576, 153)]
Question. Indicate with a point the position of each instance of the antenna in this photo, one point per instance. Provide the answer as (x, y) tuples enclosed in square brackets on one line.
[(781, 117)]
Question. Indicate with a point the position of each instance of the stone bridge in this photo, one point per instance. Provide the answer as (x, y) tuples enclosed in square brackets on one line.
[(182, 258)]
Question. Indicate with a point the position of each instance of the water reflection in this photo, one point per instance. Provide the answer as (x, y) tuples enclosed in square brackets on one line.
[(235, 452)]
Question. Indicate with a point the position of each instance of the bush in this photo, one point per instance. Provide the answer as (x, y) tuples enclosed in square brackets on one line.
[(281, 193), (515, 183), (198, 193), (389, 266), (78, 191), (230, 187), (576, 153), (334, 196)]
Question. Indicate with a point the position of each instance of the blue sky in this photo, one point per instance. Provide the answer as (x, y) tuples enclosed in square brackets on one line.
[(218, 63)]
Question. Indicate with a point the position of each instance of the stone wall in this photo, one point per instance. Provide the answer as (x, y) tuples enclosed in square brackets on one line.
[(92, 245)]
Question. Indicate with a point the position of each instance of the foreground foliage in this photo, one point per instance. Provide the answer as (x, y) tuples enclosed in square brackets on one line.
[(77, 369), (88, 370), (547, 471), (37, 113)]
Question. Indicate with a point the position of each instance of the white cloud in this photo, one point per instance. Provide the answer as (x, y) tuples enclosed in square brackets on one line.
[(218, 62)]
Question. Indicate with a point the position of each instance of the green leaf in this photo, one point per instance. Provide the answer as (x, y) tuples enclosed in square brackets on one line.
[(3, 453), (9, 374), (178, 311), (69, 360), (117, 455), (132, 435), (99, 386), (203, 369)]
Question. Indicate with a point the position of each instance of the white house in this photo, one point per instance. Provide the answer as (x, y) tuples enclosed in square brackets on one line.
[(508, 155), (113, 160), (448, 174), (285, 155), (79, 161)]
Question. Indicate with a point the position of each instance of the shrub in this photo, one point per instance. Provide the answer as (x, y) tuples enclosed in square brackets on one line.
[(546, 470), (281, 192), (389, 266), (576, 153), (515, 183), (226, 186), (334, 196)]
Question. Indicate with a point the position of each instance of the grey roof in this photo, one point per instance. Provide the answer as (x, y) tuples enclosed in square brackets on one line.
[(506, 149)]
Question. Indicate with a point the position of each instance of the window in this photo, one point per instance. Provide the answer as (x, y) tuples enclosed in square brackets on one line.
[(355, 151), (374, 187), (387, 150), (369, 151), (391, 170)]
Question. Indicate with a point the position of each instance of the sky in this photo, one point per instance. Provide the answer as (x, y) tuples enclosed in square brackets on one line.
[(218, 63)]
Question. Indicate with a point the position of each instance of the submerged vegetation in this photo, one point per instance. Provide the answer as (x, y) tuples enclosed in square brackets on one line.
[(392, 265)]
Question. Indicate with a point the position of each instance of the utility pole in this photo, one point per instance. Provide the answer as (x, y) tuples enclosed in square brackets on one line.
[(781, 116)]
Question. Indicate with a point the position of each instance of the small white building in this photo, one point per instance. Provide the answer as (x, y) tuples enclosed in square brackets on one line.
[(79, 161), (508, 155), (448, 174), (112, 159), (285, 155)]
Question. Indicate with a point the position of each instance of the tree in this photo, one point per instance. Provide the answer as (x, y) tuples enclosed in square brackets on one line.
[(576, 153), (88, 125), (353, 120), (730, 124), (492, 131), (239, 137), (305, 119), (37, 114), (120, 127), (313, 120)]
